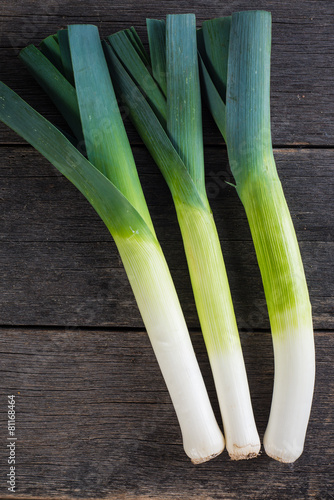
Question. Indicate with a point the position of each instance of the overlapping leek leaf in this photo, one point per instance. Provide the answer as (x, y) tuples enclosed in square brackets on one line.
[(184, 111), (177, 153), (248, 137), (106, 141), (65, 54), (138, 45), (50, 48), (123, 47), (214, 99), (55, 85), (156, 30), (216, 33)]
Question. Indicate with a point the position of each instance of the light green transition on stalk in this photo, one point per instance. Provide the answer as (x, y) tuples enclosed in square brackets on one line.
[(248, 136)]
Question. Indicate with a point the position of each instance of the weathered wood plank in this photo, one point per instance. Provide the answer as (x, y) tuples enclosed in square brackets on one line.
[(302, 55), (94, 420), (60, 265)]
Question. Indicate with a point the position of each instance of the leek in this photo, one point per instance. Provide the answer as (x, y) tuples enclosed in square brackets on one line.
[(244, 120), (179, 155), (110, 183)]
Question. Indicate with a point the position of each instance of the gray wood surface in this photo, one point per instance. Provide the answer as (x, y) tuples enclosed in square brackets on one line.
[(94, 418)]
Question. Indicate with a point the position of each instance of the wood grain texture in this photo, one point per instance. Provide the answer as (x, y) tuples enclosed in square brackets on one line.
[(302, 54), (94, 420), (61, 266)]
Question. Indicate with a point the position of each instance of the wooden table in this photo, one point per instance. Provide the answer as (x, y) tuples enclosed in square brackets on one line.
[(94, 419)]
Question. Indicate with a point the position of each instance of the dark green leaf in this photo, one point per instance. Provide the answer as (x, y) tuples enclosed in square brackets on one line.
[(184, 112), (139, 72), (106, 141), (118, 214), (50, 48), (216, 36), (156, 31), (65, 54)]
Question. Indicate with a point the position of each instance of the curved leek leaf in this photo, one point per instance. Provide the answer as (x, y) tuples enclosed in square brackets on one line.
[(201, 242), (114, 209), (126, 52), (55, 85)]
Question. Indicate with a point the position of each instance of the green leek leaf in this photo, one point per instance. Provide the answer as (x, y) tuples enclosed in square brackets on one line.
[(184, 115), (156, 31), (50, 48), (216, 36), (138, 45), (215, 102), (65, 55)]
